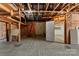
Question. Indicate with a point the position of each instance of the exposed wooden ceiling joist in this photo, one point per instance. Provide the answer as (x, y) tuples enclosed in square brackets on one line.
[(4, 8), (5, 19), (46, 11), (56, 6), (13, 7), (64, 7), (14, 20), (73, 7), (61, 11), (29, 6), (47, 6), (38, 8)]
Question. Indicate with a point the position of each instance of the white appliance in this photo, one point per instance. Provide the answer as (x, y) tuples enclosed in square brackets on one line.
[(50, 31)]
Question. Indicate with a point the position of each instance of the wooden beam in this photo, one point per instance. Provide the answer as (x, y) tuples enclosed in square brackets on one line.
[(47, 17), (19, 25), (5, 19), (8, 31), (56, 6), (47, 11), (13, 7), (30, 8), (4, 12), (73, 7), (9, 14), (4, 8), (38, 8), (65, 29), (47, 6), (15, 20), (12, 19), (64, 7), (63, 4)]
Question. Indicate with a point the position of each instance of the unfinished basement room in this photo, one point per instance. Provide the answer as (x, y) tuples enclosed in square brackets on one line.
[(39, 29)]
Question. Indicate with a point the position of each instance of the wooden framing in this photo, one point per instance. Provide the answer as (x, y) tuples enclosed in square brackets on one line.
[(47, 6), (13, 12), (38, 8), (8, 31), (65, 29), (64, 7), (73, 7), (56, 7), (4, 8), (29, 8), (19, 24), (47, 11), (14, 8)]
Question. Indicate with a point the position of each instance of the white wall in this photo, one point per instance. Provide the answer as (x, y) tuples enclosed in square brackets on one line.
[(40, 28), (50, 31), (59, 32)]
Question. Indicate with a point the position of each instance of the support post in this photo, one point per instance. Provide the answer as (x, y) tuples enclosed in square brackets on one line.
[(7, 32), (65, 30), (19, 26), (19, 32)]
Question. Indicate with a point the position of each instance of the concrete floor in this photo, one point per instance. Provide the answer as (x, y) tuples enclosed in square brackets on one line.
[(37, 47)]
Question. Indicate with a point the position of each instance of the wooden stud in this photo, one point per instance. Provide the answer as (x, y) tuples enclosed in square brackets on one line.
[(47, 6), (13, 7), (56, 6), (4, 8), (73, 7), (65, 30), (19, 26), (7, 32)]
